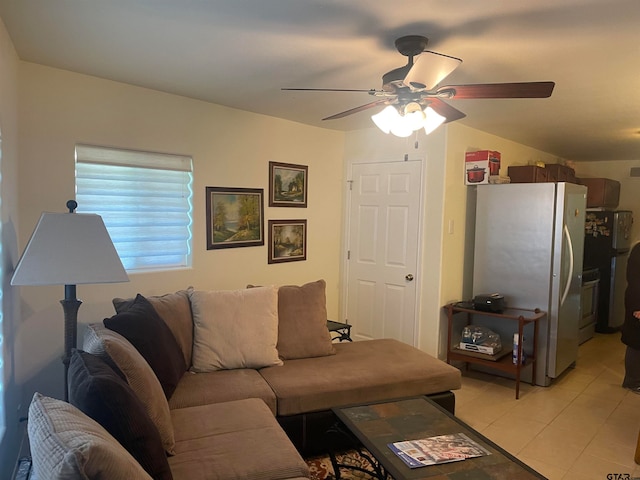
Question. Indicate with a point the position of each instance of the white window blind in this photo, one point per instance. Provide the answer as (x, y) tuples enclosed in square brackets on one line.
[(145, 200)]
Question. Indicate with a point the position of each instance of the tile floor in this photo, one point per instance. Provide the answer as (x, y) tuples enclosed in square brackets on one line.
[(582, 427)]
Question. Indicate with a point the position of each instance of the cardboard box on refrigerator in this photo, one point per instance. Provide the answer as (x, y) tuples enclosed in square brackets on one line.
[(480, 165)]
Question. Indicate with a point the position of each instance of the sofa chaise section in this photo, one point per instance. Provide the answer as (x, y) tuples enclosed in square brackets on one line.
[(238, 439), (365, 371), (359, 372)]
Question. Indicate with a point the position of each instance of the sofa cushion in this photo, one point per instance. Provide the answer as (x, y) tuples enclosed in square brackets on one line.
[(67, 444), (239, 439), (143, 327), (302, 321), (359, 372), (222, 386), (101, 341), (175, 310), (100, 393), (234, 329)]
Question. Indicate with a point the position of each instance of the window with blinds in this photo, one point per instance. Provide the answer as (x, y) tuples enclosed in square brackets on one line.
[(145, 200)]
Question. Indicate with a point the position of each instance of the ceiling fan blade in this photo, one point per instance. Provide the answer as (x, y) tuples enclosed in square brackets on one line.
[(447, 111), (356, 109), (429, 69), (497, 90)]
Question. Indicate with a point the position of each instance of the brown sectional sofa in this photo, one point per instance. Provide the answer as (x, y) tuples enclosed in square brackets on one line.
[(255, 422)]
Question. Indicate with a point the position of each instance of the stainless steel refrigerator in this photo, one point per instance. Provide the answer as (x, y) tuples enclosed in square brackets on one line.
[(606, 247), (529, 240)]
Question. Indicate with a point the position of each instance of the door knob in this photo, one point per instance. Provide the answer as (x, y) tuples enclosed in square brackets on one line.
[(409, 277)]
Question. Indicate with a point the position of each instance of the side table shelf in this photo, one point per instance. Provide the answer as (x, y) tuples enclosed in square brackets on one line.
[(501, 361)]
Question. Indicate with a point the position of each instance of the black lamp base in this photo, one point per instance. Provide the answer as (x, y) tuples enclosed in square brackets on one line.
[(70, 305)]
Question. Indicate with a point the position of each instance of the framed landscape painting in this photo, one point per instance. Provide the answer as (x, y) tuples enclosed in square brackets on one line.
[(287, 241), (287, 185), (235, 217)]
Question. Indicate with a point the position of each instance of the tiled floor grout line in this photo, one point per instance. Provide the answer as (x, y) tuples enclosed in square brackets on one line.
[(591, 390)]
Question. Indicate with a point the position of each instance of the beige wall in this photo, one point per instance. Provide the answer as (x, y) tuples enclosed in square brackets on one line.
[(9, 214), (229, 148)]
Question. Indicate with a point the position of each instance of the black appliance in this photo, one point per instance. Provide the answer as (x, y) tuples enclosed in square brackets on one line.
[(489, 302), (606, 247)]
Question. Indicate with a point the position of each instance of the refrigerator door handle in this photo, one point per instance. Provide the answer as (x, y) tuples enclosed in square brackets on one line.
[(570, 276)]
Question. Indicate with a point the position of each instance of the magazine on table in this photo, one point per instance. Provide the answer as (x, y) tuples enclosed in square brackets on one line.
[(439, 449)]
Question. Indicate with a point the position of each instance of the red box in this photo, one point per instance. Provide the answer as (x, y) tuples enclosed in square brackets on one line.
[(478, 166)]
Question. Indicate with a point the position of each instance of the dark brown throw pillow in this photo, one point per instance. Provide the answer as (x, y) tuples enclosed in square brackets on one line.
[(175, 310), (99, 392), (149, 334)]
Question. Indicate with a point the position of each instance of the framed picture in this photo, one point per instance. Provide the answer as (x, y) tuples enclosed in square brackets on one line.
[(287, 241), (287, 185), (235, 217)]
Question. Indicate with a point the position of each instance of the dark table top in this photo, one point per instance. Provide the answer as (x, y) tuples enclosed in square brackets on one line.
[(378, 424)]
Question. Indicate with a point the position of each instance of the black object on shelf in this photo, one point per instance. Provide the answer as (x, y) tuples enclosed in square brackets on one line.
[(489, 302)]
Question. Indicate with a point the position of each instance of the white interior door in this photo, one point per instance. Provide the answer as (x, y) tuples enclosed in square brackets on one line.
[(384, 221)]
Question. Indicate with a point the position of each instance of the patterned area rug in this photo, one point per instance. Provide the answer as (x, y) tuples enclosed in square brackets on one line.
[(321, 468)]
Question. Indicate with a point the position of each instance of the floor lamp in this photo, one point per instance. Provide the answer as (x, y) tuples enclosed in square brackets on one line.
[(69, 249)]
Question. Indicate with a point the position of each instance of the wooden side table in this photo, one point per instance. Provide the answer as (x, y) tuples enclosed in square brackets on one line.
[(520, 317)]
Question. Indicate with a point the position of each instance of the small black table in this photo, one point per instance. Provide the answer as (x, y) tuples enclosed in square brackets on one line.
[(343, 330)]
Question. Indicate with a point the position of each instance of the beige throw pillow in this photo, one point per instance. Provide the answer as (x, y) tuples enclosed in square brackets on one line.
[(235, 329), (302, 321), (102, 342), (67, 444)]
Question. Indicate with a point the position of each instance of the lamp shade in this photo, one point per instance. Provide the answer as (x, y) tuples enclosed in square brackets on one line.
[(69, 249)]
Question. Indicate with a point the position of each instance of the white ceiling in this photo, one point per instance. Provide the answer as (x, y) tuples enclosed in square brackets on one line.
[(240, 53)]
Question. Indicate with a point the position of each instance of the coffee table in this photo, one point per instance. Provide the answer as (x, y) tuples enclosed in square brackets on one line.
[(376, 425)]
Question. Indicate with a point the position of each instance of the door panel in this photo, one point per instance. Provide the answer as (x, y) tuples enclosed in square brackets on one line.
[(367, 234), (396, 235), (383, 243)]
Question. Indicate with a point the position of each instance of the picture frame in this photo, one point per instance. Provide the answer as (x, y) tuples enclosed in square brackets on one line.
[(288, 185), (287, 241), (235, 217)]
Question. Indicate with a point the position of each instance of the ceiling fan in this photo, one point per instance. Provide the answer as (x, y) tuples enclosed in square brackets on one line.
[(412, 91)]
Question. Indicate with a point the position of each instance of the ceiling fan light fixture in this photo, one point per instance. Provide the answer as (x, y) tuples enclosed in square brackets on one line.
[(432, 120), (402, 128), (386, 118), (414, 117), (389, 120)]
